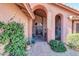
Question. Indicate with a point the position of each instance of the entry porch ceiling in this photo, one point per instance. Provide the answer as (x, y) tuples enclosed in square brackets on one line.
[(40, 12)]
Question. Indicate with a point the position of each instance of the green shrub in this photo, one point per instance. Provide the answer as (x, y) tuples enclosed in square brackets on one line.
[(28, 42), (13, 32), (57, 46), (73, 40)]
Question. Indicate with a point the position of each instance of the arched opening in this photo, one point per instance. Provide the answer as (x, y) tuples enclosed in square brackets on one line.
[(58, 27), (39, 28)]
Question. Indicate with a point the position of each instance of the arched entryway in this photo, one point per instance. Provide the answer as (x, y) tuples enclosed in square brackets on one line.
[(39, 28), (58, 27)]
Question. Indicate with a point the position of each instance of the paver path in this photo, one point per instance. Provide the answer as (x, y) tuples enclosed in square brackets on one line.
[(43, 49)]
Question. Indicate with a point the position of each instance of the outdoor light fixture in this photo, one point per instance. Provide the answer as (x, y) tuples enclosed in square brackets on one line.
[(74, 17)]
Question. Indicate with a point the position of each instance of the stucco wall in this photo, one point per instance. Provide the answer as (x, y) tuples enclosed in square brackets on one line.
[(7, 11), (53, 10)]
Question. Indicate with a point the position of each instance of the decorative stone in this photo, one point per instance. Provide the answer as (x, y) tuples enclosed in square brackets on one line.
[(1, 30), (28, 47), (1, 48)]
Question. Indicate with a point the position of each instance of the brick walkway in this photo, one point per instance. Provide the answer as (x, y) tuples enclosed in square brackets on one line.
[(43, 49)]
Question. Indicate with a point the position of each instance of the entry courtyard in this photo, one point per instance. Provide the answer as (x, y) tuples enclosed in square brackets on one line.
[(43, 49)]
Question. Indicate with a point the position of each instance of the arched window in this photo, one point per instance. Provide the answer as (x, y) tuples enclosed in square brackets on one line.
[(58, 27)]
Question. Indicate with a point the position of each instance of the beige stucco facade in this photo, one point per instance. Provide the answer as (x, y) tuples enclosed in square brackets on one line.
[(7, 11), (52, 10)]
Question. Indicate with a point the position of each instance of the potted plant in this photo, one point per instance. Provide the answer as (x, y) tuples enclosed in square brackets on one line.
[(28, 44)]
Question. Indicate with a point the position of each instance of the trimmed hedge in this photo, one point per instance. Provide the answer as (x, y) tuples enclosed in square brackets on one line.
[(73, 40), (57, 46)]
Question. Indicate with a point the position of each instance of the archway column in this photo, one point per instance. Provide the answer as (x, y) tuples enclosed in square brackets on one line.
[(30, 29), (53, 26), (64, 29), (49, 26)]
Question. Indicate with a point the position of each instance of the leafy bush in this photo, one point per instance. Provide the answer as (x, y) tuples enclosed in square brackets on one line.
[(15, 34), (73, 40), (57, 46)]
